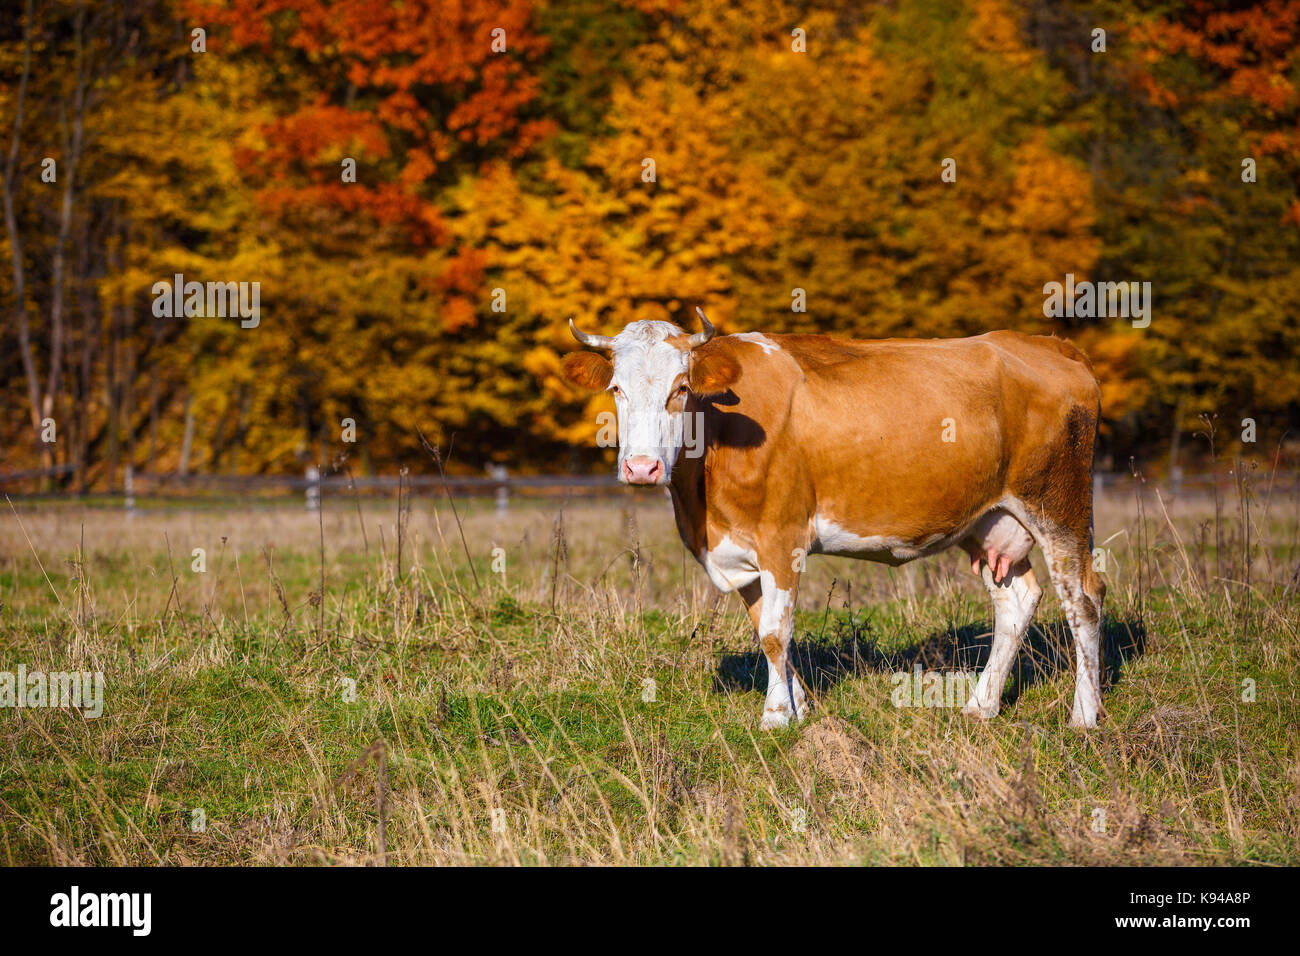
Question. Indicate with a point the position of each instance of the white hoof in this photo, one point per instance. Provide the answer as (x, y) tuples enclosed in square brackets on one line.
[(1084, 714), (774, 719), (974, 709), (1082, 721)]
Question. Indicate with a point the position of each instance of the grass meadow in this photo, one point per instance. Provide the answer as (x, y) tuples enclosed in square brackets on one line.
[(373, 684)]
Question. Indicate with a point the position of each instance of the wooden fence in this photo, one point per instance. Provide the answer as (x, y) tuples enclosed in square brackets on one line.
[(504, 487), (311, 485)]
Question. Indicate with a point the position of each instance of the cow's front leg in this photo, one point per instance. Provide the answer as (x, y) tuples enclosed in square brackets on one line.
[(770, 601)]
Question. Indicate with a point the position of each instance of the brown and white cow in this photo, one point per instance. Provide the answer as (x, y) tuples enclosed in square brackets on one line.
[(885, 450)]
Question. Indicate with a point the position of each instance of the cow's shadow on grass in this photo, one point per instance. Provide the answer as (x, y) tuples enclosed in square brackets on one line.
[(825, 658)]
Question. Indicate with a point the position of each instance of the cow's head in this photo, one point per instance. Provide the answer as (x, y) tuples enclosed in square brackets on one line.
[(654, 372)]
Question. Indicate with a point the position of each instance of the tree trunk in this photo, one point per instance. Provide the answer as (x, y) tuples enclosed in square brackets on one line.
[(86, 371), (154, 349), (15, 238), (72, 145), (187, 441)]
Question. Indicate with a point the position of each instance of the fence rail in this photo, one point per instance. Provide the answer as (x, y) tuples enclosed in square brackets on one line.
[(503, 486), (148, 485), (35, 473)]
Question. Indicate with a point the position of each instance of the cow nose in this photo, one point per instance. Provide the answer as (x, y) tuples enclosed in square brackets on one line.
[(640, 470)]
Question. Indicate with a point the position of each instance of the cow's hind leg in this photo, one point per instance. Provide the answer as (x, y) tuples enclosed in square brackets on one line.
[(1015, 599), (770, 601), (1080, 590)]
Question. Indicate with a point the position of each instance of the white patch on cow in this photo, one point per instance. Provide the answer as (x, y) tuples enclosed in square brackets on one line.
[(776, 604), (759, 339), (645, 367), (832, 538), (730, 566)]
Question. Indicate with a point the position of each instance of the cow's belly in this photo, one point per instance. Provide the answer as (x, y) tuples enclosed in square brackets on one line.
[(995, 532), (832, 538)]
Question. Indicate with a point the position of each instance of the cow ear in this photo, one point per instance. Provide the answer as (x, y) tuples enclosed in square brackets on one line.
[(713, 374), (588, 370)]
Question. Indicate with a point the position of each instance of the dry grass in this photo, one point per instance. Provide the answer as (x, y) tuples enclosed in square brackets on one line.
[(499, 718)]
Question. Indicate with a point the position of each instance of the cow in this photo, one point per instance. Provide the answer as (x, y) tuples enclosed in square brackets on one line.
[(885, 450)]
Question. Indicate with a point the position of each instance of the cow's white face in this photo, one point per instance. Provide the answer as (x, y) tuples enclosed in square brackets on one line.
[(654, 371), (650, 385)]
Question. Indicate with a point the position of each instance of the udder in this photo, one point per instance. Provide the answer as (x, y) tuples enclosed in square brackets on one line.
[(999, 539)]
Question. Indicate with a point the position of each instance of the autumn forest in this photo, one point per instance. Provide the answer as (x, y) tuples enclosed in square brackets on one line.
[(401, 204)]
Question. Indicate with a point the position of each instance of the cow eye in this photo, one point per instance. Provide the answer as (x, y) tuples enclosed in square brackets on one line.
[(616, 390), (682, 389)]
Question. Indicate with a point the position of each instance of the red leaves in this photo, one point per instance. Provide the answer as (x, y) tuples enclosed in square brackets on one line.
[(1254, 49), (404, 89), (464, 272)]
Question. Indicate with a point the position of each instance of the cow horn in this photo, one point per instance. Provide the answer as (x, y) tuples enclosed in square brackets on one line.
[(699, 338), (591, 341)]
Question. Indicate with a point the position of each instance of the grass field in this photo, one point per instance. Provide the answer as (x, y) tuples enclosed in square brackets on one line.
[(352, 688)]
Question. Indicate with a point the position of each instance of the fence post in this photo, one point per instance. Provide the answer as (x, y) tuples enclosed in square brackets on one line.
[(313, 488), (1097, 484), (500, 473), (129, 487)]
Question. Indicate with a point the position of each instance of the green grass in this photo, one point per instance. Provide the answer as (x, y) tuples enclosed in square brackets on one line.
[(524, 695)]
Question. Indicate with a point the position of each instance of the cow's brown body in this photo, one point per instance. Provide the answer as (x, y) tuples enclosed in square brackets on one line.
[(891, 450), (854, 431)]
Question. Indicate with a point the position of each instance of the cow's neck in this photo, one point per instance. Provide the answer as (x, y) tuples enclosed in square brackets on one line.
[(689, 504)]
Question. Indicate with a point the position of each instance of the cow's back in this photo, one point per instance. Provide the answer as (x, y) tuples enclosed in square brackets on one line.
[(829, 424)]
